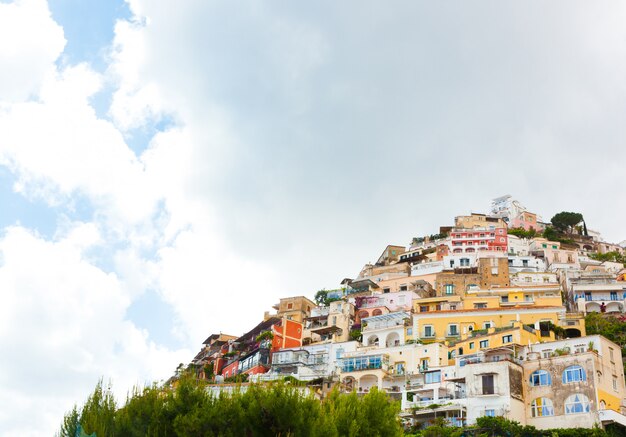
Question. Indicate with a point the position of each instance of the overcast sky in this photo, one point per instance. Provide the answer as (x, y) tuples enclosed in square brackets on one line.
[(170, 169)]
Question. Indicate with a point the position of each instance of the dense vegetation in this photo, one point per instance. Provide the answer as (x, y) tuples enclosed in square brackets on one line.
[(609, 256), (281, 409), (498, 426), (609, 326), (276, 410)]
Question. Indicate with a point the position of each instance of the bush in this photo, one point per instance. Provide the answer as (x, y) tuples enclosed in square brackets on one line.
[(277, 409)]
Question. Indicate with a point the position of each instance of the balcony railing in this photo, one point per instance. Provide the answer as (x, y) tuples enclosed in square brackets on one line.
[(368, 362), (596, 298)]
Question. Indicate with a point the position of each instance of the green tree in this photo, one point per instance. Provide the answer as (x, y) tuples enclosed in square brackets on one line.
[(565, 221), (321, 296)]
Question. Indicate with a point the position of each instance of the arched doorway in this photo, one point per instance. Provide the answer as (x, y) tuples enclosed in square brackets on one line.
[(372, 340), (367, 382), (572, 333), (393, 339)]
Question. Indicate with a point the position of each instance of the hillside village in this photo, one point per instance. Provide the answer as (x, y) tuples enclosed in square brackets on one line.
[(485, 317)]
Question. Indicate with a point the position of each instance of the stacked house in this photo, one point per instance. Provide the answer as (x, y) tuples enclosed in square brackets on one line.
[(465, 323)]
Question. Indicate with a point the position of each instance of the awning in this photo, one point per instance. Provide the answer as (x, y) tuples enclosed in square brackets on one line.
[(327, 330)]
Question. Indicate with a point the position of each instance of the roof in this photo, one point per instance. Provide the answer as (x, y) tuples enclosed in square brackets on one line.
[(263, 326), (363, 283), (387, 317)]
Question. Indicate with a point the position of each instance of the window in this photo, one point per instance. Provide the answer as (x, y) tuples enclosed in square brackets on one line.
[(409, 331), (577, 403), (614, 382), (480, 305), (507, 339), (428, 331), (465, 262), (484, 344), (490, 413), (540, 378), (488, 385), (487, 325), (432, 377), (423, 308), (453, 330), (403, 288), (289, 306), (542, 407), (471, 345), (574, 374), (449, 289), (611, 354), (386, 290)]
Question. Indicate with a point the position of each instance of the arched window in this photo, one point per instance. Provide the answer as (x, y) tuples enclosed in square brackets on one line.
[(577, 403), (542, 407), (372, 340), (377, 312), (539, 378), (574, 374)]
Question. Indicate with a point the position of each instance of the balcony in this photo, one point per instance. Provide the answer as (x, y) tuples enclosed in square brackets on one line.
[(384, 321), (602, 298), (367, 362)]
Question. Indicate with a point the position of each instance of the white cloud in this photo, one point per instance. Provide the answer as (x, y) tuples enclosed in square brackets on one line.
[(30, 41), (71, 151), (62, 328)]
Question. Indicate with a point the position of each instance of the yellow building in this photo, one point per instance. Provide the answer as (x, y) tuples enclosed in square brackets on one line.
[(453, 324), (478, 221), (293, 308), (534, 295), (513, 337)]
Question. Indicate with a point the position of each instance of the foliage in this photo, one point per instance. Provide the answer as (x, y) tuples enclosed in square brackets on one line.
[(561, 351), (559, 332), (552, 234), (321, 298), (431, 237), (566, 221), (523, 233), (265, 335), (97, 415), (242, 377), (208, 370), (356, 335), (278, 409), (609, 256), (611, 327), (499, 426)]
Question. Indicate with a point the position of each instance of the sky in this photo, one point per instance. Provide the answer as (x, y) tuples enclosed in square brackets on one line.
[(170, 170)]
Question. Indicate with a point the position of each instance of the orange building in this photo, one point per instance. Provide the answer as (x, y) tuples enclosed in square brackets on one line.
[(287, 334)]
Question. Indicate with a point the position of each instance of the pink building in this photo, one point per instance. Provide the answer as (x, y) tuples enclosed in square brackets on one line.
[(478, 239), (527, 220)]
